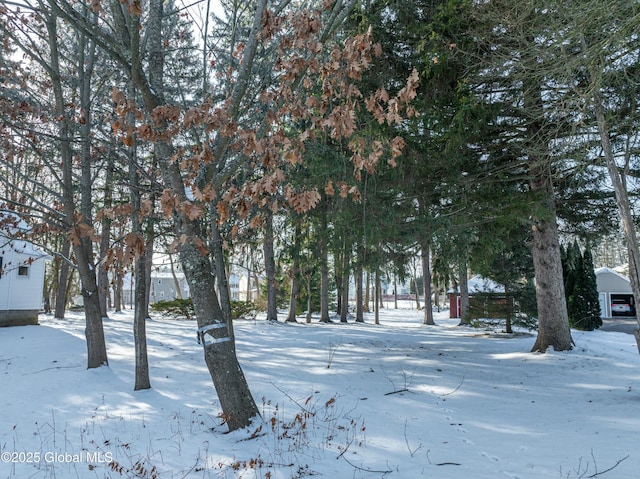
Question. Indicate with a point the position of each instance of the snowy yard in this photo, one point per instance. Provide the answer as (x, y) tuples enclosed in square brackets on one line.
[(399, 400)]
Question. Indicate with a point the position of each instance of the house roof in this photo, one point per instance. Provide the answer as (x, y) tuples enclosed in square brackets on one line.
[(11, 225), (605, 270), (479, 284), (609, 280)]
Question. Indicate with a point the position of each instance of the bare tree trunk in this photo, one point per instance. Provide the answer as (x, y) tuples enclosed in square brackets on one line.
[(395, 292), (222, 279), (103, 274), (295, 271), (367, 292), (63, 278), (508, 297), (359, 277), (142, 380), (415, 285), (270, 268), (426, 282), (337, 268), (216, 336), (377, 297), (176, 283), (553, 321), (464, 294), (309, 302), (141, 308), (624, 208), (81, 243), (117, 291), (238, 406), (324, 270), (345, 266)]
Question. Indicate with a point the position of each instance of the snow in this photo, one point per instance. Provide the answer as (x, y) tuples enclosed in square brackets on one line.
[(338, 401)]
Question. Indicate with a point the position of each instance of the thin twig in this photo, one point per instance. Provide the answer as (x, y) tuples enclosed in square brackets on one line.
[(611, 468), (396, 392), (388, 471), (458, 387)]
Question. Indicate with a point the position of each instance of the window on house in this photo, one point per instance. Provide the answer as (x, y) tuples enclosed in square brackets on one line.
[(23, 271), (0, 266)]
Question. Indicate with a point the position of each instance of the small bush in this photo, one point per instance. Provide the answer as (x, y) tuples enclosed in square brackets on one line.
[(176, 308), (183, 308), (242, 309)]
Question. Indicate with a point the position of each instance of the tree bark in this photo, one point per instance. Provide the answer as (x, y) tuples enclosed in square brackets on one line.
[(377, 297), (426, 281), (345, 266), (464, 295), (63, 278), (238, 406), (270, 268), (624, 208), (324, 269), (81, 243), (295, 272), (359, 277), (553, 320)]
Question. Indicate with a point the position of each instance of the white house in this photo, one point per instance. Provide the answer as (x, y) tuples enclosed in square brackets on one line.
[(22, 268), (615, 294)]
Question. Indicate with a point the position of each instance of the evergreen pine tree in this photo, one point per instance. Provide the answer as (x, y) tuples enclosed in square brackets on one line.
[(592, 318), (581, 289)]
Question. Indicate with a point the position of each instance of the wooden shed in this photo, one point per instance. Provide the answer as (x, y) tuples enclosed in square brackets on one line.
[(486, 298), (22, 268)]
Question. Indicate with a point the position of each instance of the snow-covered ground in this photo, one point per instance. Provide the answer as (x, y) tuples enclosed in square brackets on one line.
[(338, 401)]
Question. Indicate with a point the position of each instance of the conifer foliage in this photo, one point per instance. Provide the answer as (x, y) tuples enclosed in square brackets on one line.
[(580, 288)]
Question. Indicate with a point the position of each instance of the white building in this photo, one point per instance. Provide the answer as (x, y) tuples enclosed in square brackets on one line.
[(615, 294), (22, 268)]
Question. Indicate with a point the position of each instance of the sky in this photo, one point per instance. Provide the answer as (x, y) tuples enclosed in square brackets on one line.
[(350, 400)]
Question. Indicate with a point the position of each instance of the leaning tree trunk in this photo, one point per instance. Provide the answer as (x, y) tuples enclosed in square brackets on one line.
[(238, 406), (624, 209)]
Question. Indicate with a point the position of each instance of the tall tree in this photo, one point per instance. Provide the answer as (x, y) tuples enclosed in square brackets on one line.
[(513, 34)]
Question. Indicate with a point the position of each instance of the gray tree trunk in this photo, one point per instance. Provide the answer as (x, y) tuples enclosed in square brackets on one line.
[(63, 278), (377, 297), (464, 294), (624, 208), (81, 242), (426, 280), (270, 268), (324, 270), (345, 266), (295, 271), (359, 277), (553, 320)]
